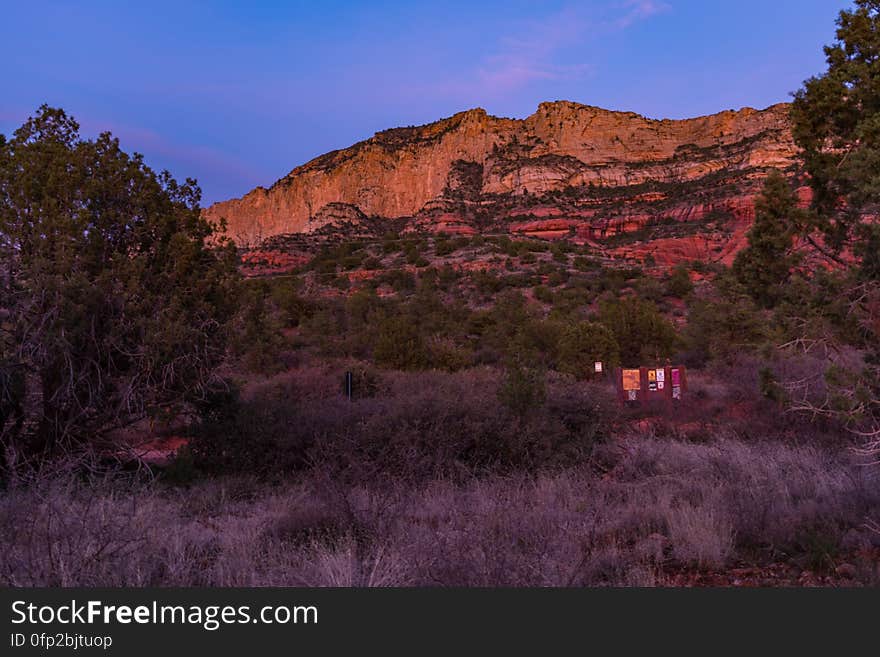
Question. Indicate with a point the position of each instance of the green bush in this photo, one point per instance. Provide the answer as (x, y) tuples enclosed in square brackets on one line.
[(293, 308), (679, 282), (399, 345), (642, 334), (557, 278), (391, 243), (543, 294), (400, 280), (523, 388), (257, 338), (582, 263), (724, 327), (560, 252), (581, 345)]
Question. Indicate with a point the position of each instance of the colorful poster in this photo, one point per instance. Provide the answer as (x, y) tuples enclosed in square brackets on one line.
[(660, 385), (676, 392), (676, 377), (631, 395), (661, 375), (652, 386), (598, 367), (652, 376), (632, 380)]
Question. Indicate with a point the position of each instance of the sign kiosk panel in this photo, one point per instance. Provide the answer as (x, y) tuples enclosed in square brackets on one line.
[(651, 384)]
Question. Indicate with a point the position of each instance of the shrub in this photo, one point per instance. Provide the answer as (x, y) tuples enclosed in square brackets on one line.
[(557, 278), (341, 282), (447, 276), (247, 436), (641, 332), (523, 388), (582, 344), (560, 252), (543, 294), (679, 282), (400, 280), (444, 247), (399, 345), (724, 328), (582, 263), (445, 354), (293, 308), (258, 340)]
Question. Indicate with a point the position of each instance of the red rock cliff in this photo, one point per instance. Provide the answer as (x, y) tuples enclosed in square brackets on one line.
[(474, 168)]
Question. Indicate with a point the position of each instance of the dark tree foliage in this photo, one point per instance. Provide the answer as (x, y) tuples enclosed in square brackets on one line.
[(836, 121), (582, 344), (642, 334), (764, 267), (115, 294)]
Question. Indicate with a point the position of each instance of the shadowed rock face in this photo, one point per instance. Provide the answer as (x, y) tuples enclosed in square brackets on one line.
[(602, 172)]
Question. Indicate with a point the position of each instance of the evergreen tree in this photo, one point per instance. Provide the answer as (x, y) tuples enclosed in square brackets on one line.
[(765, 265), (112, 301), (836, 121)]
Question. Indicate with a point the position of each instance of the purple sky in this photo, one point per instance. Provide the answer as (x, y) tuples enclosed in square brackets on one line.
[(238, 93)]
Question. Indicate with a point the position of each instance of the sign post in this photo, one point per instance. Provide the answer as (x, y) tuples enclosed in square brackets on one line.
[(349, 385)]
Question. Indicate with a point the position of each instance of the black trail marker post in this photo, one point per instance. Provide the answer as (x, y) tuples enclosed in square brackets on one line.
[(349, 385)]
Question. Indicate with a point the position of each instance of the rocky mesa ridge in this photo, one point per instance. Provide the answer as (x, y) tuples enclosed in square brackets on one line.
[(568, 168)]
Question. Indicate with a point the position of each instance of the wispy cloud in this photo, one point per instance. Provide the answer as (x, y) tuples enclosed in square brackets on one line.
[(529, 54), (532, 51), (638, 10)]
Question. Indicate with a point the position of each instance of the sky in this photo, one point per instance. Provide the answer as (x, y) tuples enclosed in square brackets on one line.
[(236, 94)]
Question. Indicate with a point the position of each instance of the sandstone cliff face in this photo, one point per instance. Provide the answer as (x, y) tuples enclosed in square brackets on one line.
[(610, 171)]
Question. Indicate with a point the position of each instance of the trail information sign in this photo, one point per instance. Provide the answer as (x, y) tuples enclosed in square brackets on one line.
[(648, 384)]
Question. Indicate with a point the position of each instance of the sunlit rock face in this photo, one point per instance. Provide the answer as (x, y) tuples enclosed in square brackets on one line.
[(568, 171)]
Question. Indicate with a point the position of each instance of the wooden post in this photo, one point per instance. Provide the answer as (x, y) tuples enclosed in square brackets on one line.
[(349, 385)]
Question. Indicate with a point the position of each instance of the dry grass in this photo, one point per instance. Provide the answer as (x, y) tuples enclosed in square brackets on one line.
[(664, 504)]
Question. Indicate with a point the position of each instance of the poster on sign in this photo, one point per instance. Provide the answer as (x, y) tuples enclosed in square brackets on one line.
[(676, 377), (597, 367), (632, 380), (661, 376)]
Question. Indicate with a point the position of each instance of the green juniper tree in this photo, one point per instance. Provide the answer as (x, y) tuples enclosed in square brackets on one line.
[(764, 267), (836, 123), (115, 293)]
